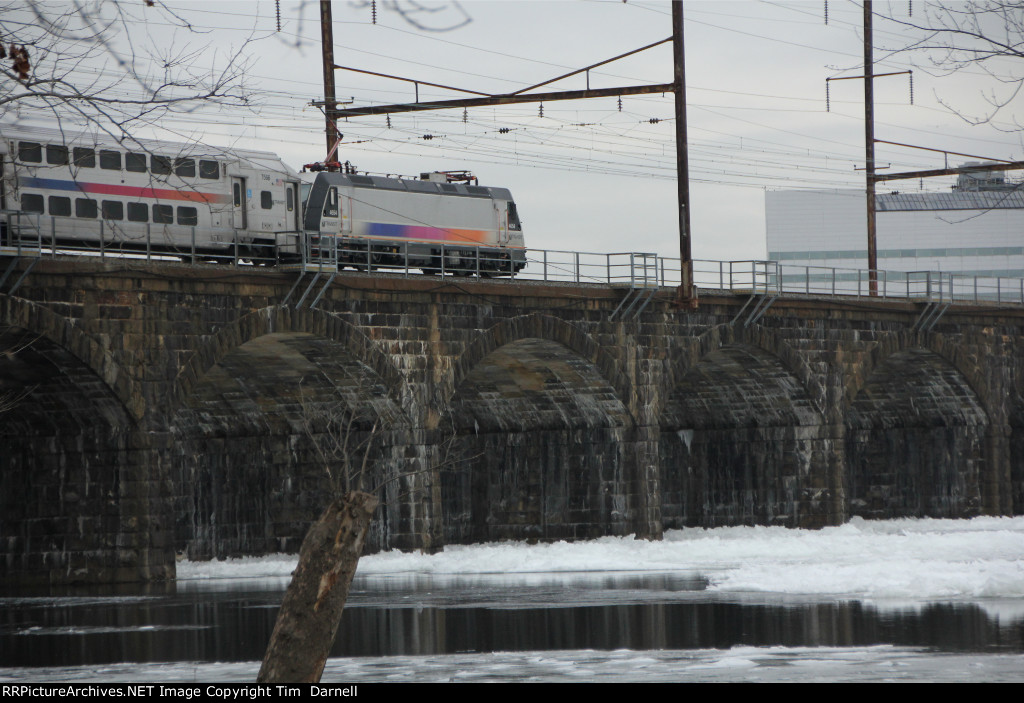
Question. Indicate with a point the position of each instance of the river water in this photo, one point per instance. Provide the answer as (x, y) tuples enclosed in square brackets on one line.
[(896, 600)]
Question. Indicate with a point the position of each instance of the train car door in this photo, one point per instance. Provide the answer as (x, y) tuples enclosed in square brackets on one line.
[(502, 213), (294, 211), (239, 202)]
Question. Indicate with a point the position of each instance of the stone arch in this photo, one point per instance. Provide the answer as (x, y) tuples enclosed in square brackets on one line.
[(41, 322), (685, 356), (743, 438), (916, 431), (542, 442), (269, 413), (68, 459), (283, 319), (953, 352), (544, 327)]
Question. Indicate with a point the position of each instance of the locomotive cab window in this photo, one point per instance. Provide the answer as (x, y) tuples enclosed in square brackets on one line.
[(60, 206), (513, 216), (57, 154), (31, 202), (110, 160), (84, 158), (208, 169), (30, 152), (135, 162), (331, 203), (266, 199)]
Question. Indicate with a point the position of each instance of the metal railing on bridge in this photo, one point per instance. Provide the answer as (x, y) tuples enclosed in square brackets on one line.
[(30, 235)]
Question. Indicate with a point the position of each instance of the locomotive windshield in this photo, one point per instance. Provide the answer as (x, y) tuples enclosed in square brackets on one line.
[(513, 216)]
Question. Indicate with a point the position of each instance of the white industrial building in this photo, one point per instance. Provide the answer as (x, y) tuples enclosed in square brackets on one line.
[(976, 230)]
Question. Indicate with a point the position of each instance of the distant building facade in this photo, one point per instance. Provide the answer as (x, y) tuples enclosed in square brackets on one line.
[(976, 230)]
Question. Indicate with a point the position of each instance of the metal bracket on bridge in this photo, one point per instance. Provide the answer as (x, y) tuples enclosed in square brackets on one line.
[(760, 308), (641, 295), (929, 316), (309, 289)]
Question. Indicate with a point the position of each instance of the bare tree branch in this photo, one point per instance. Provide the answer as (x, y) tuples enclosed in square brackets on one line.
[(987, 35), (95, 62)]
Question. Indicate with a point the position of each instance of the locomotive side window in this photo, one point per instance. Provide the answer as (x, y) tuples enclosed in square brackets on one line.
[(185, 168), (163, 214), (331, 203), (60, 206), (160, 165), (138, 212), (84, 158), (188, 216), (57, 154), (135, 162), (112, 209), (31, 202), (30, 153), (266, 199), (110, 160), (208, 169)]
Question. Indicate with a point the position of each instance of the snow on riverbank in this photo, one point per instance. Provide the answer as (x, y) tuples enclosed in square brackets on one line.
[(917, 560)]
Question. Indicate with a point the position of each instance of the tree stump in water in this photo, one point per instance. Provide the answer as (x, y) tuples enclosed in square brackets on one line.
[(308, 620)]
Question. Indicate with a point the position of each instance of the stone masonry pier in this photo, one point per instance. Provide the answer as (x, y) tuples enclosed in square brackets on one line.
[(153, 410)]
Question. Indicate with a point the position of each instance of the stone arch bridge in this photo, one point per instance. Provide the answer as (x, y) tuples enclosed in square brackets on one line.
[(154, 410)]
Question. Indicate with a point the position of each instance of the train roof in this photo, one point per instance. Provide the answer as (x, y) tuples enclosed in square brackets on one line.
[(261, 159), (414, 186)]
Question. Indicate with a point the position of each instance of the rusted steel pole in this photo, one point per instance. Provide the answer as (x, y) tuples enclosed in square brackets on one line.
[(682, 157), (869, 149), (330, 101)]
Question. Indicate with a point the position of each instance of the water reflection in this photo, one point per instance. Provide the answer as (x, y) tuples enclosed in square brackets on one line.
[(231, 620)]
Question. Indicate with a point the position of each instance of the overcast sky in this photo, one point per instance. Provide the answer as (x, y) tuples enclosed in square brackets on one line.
[(588, 175)]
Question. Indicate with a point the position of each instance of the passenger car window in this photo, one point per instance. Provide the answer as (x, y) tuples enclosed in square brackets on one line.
[(135, 162), (160, 165), (30, 152), (31, 202), (112, 209), (57, 154), (163, 214), (110, 160), (188, 216), (138, 212), (84, 158), (84, 207), (209, 169), (60, 206)]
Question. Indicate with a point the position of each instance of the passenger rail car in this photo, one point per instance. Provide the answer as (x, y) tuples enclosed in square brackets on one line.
[(147, 195), (432, 223)]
